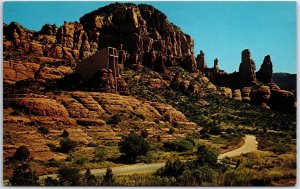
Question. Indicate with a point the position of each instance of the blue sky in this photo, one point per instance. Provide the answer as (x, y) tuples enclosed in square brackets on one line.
[(221, 29)]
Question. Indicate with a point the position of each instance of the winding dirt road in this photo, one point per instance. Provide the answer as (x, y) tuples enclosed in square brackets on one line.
[(249, 146)]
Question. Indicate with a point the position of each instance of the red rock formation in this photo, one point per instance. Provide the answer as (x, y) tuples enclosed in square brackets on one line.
[(266, 71), (260, 95), (282, 100), (201, 64), (247, 69)]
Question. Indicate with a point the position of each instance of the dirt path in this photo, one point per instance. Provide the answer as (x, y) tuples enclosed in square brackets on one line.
[(250, 145)]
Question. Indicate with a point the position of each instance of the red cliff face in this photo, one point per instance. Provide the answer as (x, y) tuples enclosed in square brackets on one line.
[(144, 32)]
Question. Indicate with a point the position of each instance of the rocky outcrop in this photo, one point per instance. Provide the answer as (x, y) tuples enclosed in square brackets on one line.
[(201, 64), (247, 69), (226, 92), (42, 107), (14, 71), (237, 95), (246, 94), (282, 100), (265, 72), (260, 95)]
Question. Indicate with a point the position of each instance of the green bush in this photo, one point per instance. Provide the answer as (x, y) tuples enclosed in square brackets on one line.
[(67, 144), (69, 176), (171, 130), (82, 161), (53, 163), (115, 119), (133, 146), (22, 153), (197, 177), (108, 179), (92, 144), (89, 179), (144, 133), (44, 130), (204, 135), (179, 145), (206, 156), (24, 176), (49, 181), (172, 169), (215, 130), (100, 153), (280, 149), (65, 134)]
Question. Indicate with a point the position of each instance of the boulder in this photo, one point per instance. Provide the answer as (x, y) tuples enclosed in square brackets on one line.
[(226, 92), (246, 94), (237, 95), (282, 100), (260, 95)]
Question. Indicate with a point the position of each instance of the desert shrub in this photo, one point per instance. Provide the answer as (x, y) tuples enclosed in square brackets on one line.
[(158, 138), (144, 133), (133, 146), (22, 153), (65, 134), (53, 163), (206, 156), (141, 116), (175, 124), (16, 113), (44, 130), (204, 135), (179, 145), (82, 161), (24, 176), (197, 177), (92, 144), (51, 146), (100, 153), (156, 121), (69, 176), (171, 169), (115, 119), (67, 144), (230, 131), (242, 177), (108, 179), (49, 181), (167, 117), (215, 130), (171, 130), (279, 149), (89, 179)]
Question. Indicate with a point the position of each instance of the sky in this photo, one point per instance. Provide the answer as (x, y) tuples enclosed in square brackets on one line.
[(221, 29)]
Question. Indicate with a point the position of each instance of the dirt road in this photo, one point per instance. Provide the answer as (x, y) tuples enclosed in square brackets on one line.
[(249, 146)]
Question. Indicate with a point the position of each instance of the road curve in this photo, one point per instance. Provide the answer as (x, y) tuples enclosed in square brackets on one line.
[(250, 145)]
